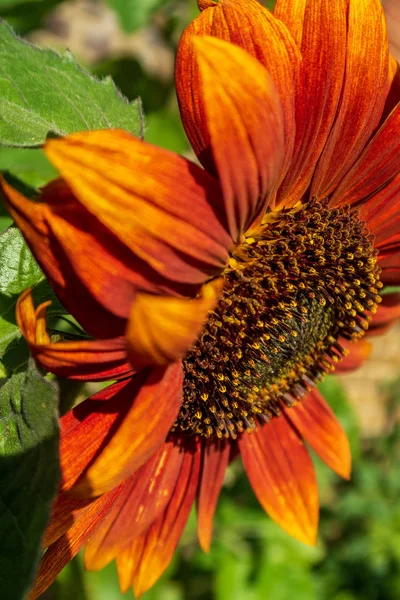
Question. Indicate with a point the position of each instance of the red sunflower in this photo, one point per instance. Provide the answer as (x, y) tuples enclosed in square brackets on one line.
[(219, 297)]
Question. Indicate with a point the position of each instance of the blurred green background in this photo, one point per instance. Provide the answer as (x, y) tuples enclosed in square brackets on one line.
[(358, 554)]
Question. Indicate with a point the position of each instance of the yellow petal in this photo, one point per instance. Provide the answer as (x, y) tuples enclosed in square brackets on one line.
[(162, 329)]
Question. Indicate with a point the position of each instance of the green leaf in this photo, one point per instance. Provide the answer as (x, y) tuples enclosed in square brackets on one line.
[(5, 219), (131, 15), (29, 474), (43, 93), (30, 166), (19, 271)]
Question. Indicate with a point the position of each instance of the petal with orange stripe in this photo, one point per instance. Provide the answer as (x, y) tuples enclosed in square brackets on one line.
[(215, 459), (362, 97), (320, 29), (142, 499), (377, 165), (142, 413), (58, 555), (97, 360), (387, 313), (163, 208), (66, 510), (252, 27), (317, 424), (357, 354), (389, 262), (146, 558), (282, 476), (96, 288), (244, 125)]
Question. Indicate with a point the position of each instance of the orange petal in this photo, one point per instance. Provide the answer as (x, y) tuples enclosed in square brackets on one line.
[(362, 97), (319, 27), (66, 547), (377, 165), (159, 205), (144, 561), (387, 313), (243, 120), (115, 454), (215, 461), (142, 499), (97, 360), (382, 214), (292, 13), (86, 428), (358, 352), (65, 511), (282, 476), (96, 288), (389, 262), (162, 329), (251, 26), (317, 424)]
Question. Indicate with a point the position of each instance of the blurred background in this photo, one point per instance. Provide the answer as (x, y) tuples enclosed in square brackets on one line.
[(358, 554)]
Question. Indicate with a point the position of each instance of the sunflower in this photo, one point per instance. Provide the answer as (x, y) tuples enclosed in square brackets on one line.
[(219, 297)]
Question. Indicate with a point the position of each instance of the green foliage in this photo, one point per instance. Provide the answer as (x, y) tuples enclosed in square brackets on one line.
[(19, 270), (28, 474), (132, 17), (30, 166), (13, 3), (26, 16), (42, 93)]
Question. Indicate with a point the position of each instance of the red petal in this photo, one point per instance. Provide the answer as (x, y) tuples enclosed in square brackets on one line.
[(362, 97), (91, 286), (244, 124), (66, 547), (146, 409), (283, 478), (65, 511), (143, 498), (377, 165), (319, 27), (97, 360), (358, 352), (252, 27), (162, 208), (215, 460), (389, 262), (149, 555), (317, 424), (382, 214), (387, 313)]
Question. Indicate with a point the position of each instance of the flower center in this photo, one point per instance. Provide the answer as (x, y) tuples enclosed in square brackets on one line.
[(305, 278)]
